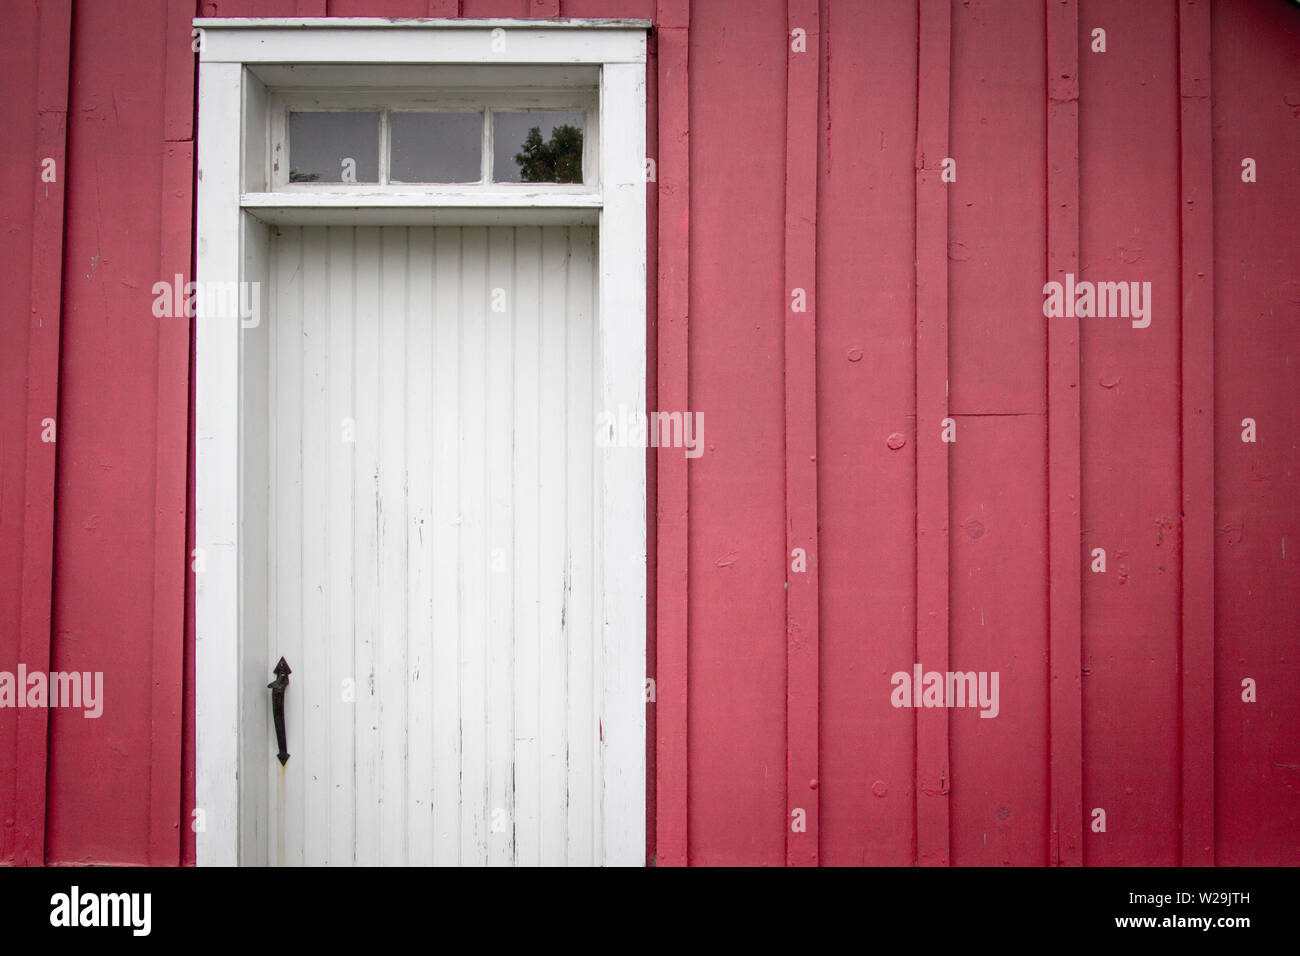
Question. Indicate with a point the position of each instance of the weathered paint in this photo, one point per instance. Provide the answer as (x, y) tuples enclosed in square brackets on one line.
[(1072, 434)]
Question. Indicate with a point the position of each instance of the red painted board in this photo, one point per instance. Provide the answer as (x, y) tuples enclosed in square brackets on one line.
[(1255, 55), (107, 450), (801, 544), (933, 770), (736, 598), (34, 440), (1129, 400), (998, 365), (1065, 624), (1196, 233), (866, 472), (672, 387)]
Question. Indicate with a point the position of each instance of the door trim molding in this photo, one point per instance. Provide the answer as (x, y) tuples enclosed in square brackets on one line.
[(229, 95)]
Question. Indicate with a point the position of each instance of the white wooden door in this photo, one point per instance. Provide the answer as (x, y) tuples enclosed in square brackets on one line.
[(432, 547)]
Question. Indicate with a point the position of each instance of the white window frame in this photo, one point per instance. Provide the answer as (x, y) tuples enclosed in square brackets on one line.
[(235, 56)]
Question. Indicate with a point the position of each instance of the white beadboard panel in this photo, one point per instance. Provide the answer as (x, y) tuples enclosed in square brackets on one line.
[(580, 585), (527, 792), (419, 543), (433, 526)]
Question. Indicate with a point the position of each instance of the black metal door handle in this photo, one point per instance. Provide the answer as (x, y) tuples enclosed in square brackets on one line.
[(278, 687)]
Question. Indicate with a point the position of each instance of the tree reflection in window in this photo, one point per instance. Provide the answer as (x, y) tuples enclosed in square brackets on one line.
[(557, 160)]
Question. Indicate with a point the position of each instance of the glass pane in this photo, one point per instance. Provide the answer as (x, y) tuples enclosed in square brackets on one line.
[(435, 147), (537, 146), (334, 147)]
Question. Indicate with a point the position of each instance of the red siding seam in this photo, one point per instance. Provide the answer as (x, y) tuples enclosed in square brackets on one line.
[(444, 8), (543, 8), (673, 502), (311, 8), (1064, 437), (801, 621), (170, 476), (932, 503), (171, 449), (55, 32), (1196, 240)]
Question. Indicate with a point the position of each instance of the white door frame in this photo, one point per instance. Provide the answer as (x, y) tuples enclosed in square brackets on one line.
[(230, 151)]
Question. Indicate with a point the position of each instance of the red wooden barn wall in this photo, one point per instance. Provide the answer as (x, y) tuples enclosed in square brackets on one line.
[(819, 170)]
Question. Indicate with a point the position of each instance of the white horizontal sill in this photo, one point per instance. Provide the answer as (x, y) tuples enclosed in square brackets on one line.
[(456, 23), (390, 209), (358, 198)]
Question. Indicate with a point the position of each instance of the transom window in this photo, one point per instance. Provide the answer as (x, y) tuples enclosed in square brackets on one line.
[(398, 139)]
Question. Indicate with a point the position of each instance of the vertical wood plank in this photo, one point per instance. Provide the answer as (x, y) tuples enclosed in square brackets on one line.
[(171, 447), (551, 557), (178, 92), (286, 782), (581, 598), (170, 494), (801, 619), (444, 8), (366, 546), (256, 568), (340, 534), (529, 434), (499, 639), (1196, 235), (474, 552), (932, 776), (55, 34), (621, 524), (543, 8), (393, 529), (673, 22), (447, 634), (1064, 495), (217, 478), (310, 682), (420, 493)]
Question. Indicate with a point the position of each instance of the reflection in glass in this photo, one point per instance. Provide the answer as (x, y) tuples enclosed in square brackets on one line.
[(435, 147), (537, 146), (334, 147)]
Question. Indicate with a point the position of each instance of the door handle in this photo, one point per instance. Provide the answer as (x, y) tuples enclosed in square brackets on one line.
[(278, 687)]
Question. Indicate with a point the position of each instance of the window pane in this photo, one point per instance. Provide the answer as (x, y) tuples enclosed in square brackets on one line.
[(537, 146), (435, 147), (334, 147)]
